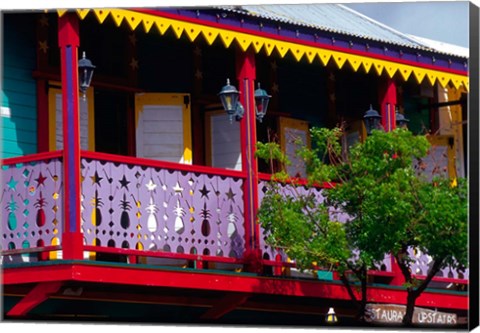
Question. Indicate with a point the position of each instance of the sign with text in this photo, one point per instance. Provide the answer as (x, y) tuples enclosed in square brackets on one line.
[(393, 314)]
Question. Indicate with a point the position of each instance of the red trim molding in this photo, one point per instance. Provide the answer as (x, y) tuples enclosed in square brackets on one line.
[(213, 281), (32, 158), (161, 164)]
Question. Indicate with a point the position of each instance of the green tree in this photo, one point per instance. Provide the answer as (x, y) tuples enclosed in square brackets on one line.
[(439, 229), (391, 209)]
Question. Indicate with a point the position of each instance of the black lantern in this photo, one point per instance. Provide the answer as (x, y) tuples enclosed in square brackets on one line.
[(372, 120), (261, 103), (229, 97), (85, 73), (401, 121)]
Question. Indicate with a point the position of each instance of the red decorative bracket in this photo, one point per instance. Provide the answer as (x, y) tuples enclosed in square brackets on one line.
[(37, 295)]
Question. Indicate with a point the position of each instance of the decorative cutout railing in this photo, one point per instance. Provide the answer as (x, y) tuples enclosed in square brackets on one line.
[(155, 206), (419, 267), (142, 208), (292, 190), (423, 262), (31, 206)]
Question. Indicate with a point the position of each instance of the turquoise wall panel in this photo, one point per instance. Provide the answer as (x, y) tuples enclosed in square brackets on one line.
[(18, 119)]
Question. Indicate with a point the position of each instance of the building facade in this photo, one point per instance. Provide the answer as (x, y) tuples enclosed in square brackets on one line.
[(136, 199)]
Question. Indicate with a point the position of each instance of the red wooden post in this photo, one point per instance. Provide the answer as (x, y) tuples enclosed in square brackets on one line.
[(388, 101), (248, 134), (68, 40)]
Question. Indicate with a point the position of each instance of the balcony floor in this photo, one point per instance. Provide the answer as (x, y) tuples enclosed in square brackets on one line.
[(119, 292)]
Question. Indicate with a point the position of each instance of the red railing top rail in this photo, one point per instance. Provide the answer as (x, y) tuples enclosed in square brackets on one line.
[(162, 164), (162, 254), (32, 158), (296, 181)]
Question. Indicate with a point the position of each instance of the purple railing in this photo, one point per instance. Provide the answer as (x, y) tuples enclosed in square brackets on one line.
[(159, 210), (155, 207), (317, 192), (31, 206), (423, 262), (419, 267)]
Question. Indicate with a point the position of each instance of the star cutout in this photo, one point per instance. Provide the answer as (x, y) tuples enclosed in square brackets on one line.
[(151, 185), (12, 183), (40, 180), (204, 191), (274, 66), (134, 64), (331, 77), (275, 88), (124, 182), (43, 46), (96, 178), (332, 97), (198, 74), (133, 39), (230, 194), (43, 21), (177, 189), (197, 51)]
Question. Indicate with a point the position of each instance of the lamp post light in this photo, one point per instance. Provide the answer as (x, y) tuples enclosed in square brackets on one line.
[(261, 103), (401, 121), (372, 120), (229, 96), (331, 317), (85, 69)]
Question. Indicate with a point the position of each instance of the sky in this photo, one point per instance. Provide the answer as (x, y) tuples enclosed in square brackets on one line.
[(445, 21)]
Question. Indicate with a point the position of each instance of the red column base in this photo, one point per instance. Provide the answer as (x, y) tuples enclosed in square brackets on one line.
[(72, 246), (253, 261)]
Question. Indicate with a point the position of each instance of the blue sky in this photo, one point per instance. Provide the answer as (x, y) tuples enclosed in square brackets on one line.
[(445, 21)]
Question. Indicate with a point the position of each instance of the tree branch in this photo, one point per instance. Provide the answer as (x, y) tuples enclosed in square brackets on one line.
[(345, 281), (437, 264)]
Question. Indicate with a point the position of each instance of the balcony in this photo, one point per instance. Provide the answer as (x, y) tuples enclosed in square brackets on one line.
[(140, 211), (151, 224)]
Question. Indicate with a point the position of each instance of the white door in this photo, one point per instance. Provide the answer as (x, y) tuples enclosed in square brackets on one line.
[(163, 129), (223, 141)]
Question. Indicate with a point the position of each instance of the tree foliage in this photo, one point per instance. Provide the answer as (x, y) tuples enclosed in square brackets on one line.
[(391, 208)]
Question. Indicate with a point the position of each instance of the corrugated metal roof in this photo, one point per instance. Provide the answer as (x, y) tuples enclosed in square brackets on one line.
[(444, 47), (333, 18)]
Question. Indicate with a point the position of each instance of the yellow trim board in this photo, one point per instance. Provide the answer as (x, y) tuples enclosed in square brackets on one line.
[(135, 19)]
